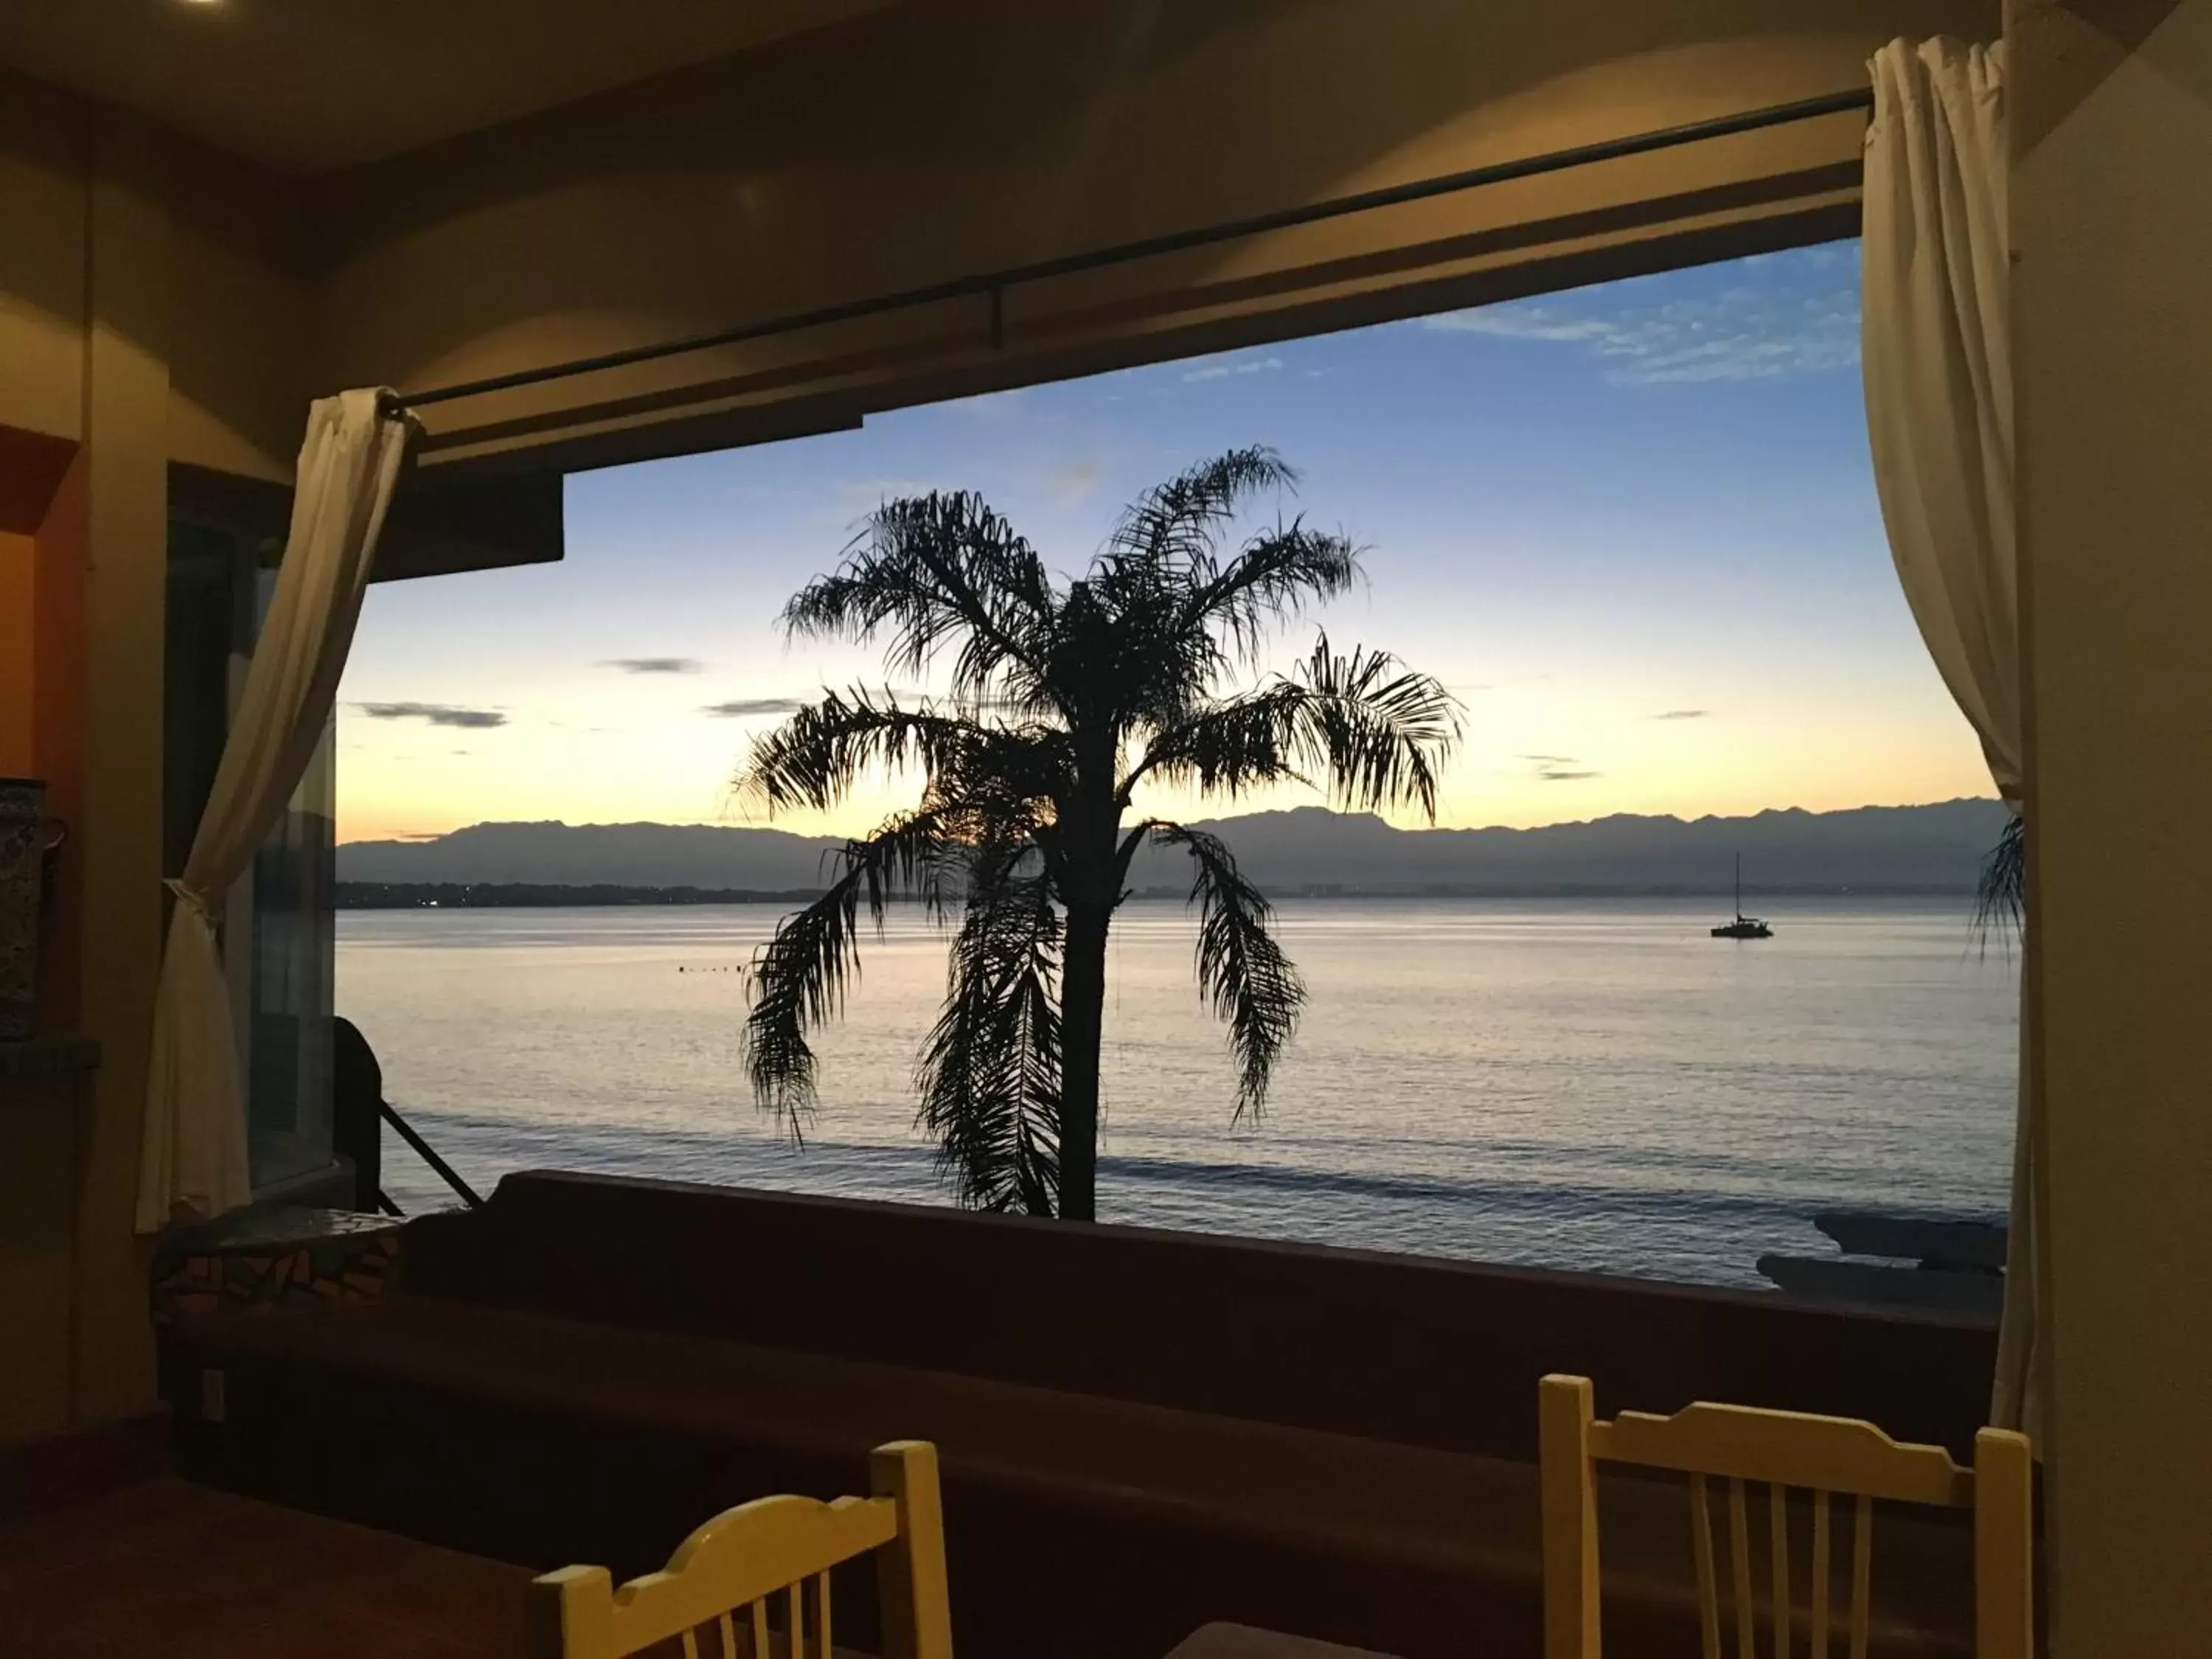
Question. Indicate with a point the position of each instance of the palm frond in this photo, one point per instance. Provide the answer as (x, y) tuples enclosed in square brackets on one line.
[(931, 569), (1241, 969), (798, 978), (1171, 524), (1375, 732), (1175, 615), (2001, 896), (989, 1073), (1227, 747), (813, 758), (1273, 577), (1380, 730)]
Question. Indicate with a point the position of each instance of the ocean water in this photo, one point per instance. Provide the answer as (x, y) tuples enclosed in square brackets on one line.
[(1582, 1084)]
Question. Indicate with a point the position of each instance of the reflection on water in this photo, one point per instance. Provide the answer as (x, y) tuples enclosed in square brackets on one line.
[(1589, 1084)]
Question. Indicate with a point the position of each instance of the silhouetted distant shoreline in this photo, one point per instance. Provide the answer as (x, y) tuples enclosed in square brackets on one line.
[(1309, 852), (514, 895), (501, 896)]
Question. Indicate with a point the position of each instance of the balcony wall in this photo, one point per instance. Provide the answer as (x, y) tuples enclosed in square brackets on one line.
[(1155, 1428)]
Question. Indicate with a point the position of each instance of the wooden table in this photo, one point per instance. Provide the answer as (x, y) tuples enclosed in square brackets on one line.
[(1227, 1641), (180, 1571)]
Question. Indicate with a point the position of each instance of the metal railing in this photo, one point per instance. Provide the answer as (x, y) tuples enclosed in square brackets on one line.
[(429, 1154)]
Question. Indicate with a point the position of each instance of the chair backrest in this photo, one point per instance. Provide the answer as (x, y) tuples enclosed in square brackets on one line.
[(1825, 1457), (760, 1564)]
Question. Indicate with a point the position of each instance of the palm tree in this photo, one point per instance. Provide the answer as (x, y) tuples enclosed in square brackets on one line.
[(1063, 699)]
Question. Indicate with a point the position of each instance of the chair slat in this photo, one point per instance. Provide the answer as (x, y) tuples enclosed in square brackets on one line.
[(746, 1555), (2004, 1546), (1568, 1515), (1829, 1457), (1778, 1527), (910, 1575), (1795, 1448), (1823, 1565), (1747, 1646), (1701, 1549), (1861, 1575), (750, 1550)]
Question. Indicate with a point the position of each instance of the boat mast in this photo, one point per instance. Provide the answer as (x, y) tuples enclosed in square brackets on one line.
[(1739, 887)]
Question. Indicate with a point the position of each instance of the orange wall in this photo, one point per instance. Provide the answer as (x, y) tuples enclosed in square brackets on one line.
[(41, 670), (18, 605)]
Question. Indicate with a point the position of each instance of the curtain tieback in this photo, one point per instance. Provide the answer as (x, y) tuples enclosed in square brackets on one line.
[(190, 895)]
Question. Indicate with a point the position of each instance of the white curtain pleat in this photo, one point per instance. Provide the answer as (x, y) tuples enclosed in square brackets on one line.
[(193, 1162), (1936, 343)]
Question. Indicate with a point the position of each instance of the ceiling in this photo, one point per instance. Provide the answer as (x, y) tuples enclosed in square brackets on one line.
[(307, 86)]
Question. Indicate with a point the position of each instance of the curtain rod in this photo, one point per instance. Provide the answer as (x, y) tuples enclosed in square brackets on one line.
[(993, 284)]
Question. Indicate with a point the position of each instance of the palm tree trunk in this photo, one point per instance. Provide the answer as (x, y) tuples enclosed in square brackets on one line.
[(1083, 991)]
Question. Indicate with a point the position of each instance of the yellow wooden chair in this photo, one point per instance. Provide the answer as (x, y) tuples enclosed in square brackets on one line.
[(724, 1577), (1823, 1456)]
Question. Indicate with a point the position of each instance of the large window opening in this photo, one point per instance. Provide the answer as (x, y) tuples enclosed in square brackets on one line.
[(1631, 528), (279, 930)]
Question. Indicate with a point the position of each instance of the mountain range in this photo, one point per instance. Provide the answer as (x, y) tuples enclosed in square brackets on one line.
[(1935, 849)]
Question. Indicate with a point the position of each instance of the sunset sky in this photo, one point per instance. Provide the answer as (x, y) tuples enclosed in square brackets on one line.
[(1632, 526)]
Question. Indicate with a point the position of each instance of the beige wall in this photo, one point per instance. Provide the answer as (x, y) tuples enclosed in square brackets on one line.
[(228, 255), (152, 310), (2112, 238), (42, 183), (929, 142)]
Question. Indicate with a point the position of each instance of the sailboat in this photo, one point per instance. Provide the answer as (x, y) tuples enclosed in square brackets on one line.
[(1743, 926)]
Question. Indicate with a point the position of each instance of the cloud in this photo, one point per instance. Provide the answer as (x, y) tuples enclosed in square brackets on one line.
[(1800, 317), (654, 665), (855, 495), (852, 502), (1558, 768), (1684, 714), (1073, 482), (1222, 370), (436, 713), (1522, 321), (739, 708)]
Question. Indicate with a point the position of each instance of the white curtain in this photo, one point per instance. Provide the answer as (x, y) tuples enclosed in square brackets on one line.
[(193, 1161), (1936, 346)]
